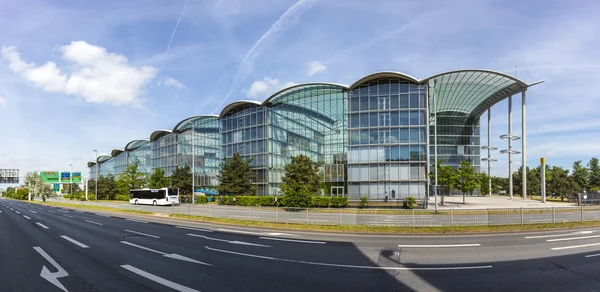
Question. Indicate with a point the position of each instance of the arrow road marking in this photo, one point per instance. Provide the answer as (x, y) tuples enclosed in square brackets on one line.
[(158, 279), (47, 275), (228, 241), (170, 255)]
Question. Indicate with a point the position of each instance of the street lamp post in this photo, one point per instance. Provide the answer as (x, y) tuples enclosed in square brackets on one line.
[(193, 163), (71, 180), (96, 192), (435, 141)]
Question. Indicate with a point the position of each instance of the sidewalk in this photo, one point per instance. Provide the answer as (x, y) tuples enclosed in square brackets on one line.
[(493, 202)]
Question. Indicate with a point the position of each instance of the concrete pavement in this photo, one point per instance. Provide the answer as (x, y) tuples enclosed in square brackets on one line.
[(139, 253)]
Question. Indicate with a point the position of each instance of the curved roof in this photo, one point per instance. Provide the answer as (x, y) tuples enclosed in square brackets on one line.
[(184, 124), (91, 163), (135, 144), (116, 152), (384, 74), (159, 133), (471, 92), (299, 87), (236, 104), (103, 158)]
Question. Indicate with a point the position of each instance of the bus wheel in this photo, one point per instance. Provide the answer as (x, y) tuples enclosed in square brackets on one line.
[(135, 202), (154, 203)]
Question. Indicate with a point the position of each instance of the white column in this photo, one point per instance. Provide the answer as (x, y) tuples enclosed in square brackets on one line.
[(510, 178), (86, 188), (435, 141), (193, 163), (523, 145), (489, 156)]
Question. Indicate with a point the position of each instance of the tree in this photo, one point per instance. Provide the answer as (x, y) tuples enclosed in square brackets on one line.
[(158, 179), (499, 184), (300, 181), (581, 176), (236, 177), (107, 187), (182, 179), (484, 183), (447, 179), (131, 178), (594, 177), (37, 186), (561, 185), (467, 178)]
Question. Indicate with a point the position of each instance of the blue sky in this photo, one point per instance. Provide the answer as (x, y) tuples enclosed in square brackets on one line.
[(82, 75)]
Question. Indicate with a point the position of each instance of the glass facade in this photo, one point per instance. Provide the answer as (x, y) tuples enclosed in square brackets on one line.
[(388, 140), (244, 131), (199, 145), (309, 120), (374, 139)]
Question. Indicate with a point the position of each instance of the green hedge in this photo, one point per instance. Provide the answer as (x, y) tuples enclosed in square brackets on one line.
[(122, 197), (256, 201), (201, 199)]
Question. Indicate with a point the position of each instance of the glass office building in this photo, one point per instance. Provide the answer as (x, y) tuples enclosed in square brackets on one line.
[(375, 138)]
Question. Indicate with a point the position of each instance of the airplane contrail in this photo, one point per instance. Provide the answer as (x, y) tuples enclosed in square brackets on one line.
[(290, 16), (176, 25)]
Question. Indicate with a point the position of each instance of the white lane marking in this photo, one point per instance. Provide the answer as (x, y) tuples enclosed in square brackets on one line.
[(52, 277), (574, 246), (573, 238), (68, 216), (74, 241), (12, 209), (228, 241), (350, 266), (196, 229), (255, 233), (17, 212), (94, 222), (0, 211), (281, 234), (293, 240), (592, 255), (42, 225), (143, 247), (103, 215), (141, 233), (138, 221), (52, 212), (170, 255), (439, 245), (32, 211), (28, 218), (158, 279)]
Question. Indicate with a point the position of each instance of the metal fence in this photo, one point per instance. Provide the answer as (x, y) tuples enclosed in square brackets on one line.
[(381, 217)]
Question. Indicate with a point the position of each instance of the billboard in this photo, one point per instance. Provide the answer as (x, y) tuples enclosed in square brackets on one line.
[(56, 177), (9, 176)]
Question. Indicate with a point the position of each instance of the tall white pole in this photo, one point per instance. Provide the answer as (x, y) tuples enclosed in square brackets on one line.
[(87, 179), (543, 178), (510, 178), (523, 145), (71, 180), (489, 149), (193, 164), (97, 168), (435, 138)]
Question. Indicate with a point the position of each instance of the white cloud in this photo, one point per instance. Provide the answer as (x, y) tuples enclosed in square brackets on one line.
[(268, 85), (173, 82), (97, 76), (3, 102), (315, 67)]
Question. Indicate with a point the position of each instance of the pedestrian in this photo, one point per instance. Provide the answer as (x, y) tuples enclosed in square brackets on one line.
[(275, 201), (234, 200)]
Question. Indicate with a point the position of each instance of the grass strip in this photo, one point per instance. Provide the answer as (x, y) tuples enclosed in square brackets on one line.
[(91, 207)]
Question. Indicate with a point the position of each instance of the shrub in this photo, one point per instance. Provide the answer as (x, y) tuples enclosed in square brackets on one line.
[(363, 202), (201, 199), (122, 197), (339, 202), (319, 202), (410, 202)]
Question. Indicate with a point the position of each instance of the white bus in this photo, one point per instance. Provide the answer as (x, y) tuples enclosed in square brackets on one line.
[(156, 197)]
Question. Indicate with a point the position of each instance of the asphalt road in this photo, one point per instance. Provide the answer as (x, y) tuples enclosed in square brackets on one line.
[(44, 248)]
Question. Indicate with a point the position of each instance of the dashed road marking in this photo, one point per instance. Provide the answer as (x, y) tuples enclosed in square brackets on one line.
[(158, 279), (293, 240), (42, 225), (74, 241), (141, 233), (94, 222)]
